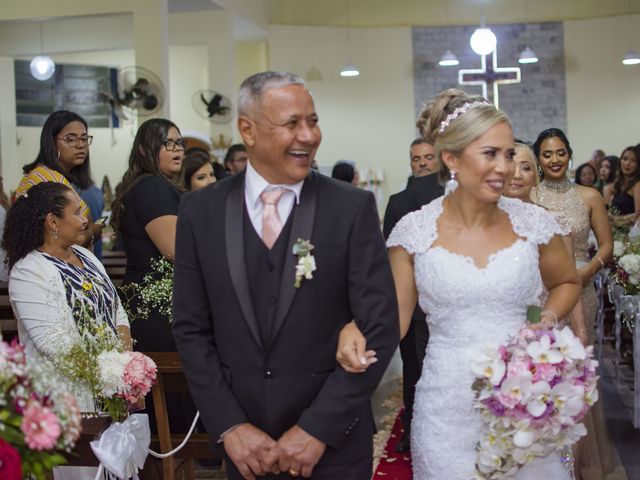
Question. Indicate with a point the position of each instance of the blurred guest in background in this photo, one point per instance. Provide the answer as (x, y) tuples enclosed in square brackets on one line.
[(235, 161), (586, 175), (197, 171), (345, 170), (624, 196), (607, 174)]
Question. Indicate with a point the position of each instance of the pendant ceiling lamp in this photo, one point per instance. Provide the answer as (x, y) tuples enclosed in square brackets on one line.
[(448, 58), (349, 70), (527, 55), (631, 57), (42, 67)]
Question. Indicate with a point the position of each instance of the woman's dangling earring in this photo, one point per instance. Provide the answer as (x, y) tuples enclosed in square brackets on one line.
[(58, 152), (452, 184), (55, 234)]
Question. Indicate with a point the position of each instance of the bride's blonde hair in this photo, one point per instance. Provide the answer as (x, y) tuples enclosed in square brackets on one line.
[(454, 135)]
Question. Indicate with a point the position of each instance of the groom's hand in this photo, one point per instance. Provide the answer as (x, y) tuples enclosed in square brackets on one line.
[(296, 452), (247, 446)]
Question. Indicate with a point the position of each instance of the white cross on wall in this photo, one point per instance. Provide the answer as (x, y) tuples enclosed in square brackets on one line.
[(491, 76)]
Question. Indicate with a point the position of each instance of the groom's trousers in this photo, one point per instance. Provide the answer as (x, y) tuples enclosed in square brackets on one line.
[(359, 470)]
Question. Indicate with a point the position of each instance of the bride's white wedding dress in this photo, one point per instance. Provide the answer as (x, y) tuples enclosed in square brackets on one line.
[(467, 308)]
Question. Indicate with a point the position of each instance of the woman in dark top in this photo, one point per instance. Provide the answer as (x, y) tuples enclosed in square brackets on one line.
[(625, 195), (145, 213)]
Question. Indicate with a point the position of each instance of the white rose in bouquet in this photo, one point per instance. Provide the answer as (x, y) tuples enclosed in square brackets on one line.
[(618, 248)]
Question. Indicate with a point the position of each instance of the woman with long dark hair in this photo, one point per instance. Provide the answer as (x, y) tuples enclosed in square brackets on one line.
[(145, 212), (63, 158), (625, 194)]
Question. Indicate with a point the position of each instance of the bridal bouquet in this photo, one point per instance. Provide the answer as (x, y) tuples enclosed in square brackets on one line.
[(37, 417), (532, 394), (115, 378)]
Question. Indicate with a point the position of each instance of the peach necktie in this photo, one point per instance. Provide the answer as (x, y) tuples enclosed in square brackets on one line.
[(271, 223)]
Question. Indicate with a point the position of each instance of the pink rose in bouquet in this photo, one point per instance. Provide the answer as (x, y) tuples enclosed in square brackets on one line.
[(532, 393)]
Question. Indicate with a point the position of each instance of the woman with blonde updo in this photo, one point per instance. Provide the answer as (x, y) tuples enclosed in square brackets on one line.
[(475, 261)]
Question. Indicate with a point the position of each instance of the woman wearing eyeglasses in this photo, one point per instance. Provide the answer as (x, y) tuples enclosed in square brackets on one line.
[(145, 212), (63, 158)]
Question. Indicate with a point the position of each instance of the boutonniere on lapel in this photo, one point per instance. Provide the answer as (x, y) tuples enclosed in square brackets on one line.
[(306, 262)]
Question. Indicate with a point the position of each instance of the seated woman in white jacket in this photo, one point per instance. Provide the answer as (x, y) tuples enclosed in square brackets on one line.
[(50, 275)]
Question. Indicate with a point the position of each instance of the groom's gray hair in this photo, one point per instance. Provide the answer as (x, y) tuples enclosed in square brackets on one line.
[(253, 88)]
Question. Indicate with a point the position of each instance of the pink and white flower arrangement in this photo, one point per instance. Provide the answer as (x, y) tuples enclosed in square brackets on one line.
[(115, 378), (126, 375), (532, 393), (37, 417)]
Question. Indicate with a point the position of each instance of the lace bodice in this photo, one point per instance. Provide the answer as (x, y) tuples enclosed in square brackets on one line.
[(565, 203), (468, 308)]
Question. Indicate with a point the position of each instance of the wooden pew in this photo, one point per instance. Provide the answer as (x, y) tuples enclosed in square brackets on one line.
[(171, 380), (115, 263), (8, 324)]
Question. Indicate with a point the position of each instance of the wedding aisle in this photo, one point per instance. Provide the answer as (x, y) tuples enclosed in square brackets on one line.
[(392, 465)]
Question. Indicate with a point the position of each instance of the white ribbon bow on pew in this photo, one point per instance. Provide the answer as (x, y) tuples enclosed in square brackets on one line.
[(122, 448)]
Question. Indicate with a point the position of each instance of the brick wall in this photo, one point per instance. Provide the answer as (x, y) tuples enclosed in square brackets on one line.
[(538, 102)]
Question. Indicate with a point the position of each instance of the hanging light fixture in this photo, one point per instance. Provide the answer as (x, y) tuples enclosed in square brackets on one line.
[(631, 57), (483, 41), (448, 58), (42, 67), (527, 55), (349, 70)]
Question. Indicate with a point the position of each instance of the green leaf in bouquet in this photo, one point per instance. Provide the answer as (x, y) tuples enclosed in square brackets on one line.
[(534, 313)]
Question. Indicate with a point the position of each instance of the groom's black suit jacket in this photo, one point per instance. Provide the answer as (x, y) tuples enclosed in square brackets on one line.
[(292, 377)]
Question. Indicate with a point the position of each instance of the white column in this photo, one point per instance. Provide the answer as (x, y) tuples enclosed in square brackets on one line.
[(8, 149), (151, 42)]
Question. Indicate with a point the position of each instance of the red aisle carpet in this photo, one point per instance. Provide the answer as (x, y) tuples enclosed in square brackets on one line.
[(394, 466)]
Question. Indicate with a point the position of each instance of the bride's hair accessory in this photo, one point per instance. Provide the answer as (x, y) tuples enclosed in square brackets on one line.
[(460, 111), (451, 184)]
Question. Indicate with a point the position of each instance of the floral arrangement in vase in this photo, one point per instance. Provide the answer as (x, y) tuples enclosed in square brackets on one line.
[(38, 418)]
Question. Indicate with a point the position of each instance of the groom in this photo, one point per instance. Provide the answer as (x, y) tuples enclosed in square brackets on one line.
[(259, 351)]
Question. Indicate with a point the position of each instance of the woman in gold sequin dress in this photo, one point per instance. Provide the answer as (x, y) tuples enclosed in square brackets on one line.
[(579, 209)]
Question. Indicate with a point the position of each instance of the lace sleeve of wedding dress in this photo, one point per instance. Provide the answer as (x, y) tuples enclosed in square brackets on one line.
[(416, 231), (535, 223)]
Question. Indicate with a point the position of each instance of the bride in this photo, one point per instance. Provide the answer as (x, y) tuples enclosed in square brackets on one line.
[(475, 261)]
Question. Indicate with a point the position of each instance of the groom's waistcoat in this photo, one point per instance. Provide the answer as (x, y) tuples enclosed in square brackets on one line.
[(264, 269)]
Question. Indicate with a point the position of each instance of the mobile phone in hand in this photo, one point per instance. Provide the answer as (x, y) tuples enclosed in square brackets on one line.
[(102, 221)]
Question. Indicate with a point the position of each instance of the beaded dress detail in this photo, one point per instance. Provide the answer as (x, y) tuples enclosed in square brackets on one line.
[(565, 203), (468, 307)]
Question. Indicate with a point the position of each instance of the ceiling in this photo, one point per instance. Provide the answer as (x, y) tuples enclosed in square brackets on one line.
[(380, 13)]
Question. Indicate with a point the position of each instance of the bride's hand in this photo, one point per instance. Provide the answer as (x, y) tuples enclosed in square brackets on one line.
[(352, 354)]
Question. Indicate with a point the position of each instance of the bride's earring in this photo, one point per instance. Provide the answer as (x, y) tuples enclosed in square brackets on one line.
[(452, 184)]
